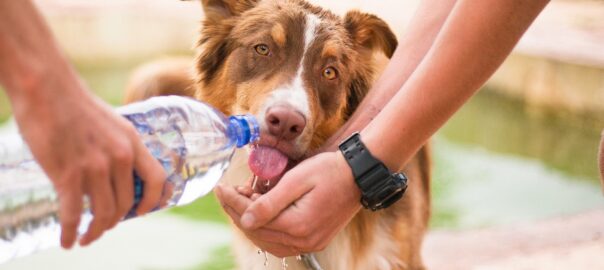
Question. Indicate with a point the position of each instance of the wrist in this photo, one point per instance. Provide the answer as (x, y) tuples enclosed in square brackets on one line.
[(380, 188), (39, 86), (349, 183), (381, 150)]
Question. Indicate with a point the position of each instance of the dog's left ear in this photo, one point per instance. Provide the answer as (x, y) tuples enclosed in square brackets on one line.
[(370, 32), (221, 9)]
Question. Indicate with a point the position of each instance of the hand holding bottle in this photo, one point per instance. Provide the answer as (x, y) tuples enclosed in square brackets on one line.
[(87, 150)]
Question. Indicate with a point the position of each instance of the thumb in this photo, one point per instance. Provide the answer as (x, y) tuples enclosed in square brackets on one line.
[(270, 205), (153, 176)]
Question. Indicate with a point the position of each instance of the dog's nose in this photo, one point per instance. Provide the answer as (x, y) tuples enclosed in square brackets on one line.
[(284, 122)]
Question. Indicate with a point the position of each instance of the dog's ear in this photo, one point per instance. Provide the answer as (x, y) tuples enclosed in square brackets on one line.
[(214, 41), (370, 32), (222, 9)]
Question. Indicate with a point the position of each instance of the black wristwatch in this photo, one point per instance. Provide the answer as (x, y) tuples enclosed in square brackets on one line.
[(379, 187)]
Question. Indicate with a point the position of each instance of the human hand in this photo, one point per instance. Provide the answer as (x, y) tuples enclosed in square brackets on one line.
[(310, 205), (86, 149)]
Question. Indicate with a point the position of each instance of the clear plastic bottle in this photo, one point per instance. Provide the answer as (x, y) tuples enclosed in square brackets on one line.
[(193, 142)]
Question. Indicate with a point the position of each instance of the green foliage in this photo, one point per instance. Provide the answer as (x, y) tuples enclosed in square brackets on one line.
[(4, 106), (221, 259), (204, 209)]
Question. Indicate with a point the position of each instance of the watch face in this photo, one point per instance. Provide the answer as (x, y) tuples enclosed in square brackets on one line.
[(391, 192)]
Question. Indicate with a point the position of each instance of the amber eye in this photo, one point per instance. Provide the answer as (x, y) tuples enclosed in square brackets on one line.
[(262, 49), (330, 73)]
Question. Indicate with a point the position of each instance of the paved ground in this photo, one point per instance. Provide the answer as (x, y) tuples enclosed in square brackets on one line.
[(159, 241), (565, 243)]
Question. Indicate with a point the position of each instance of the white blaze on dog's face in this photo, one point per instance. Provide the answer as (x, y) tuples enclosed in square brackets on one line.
[(284, 111), (301, 70)]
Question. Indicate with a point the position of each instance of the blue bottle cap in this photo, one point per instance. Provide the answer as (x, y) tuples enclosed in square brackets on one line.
[(245, 129)]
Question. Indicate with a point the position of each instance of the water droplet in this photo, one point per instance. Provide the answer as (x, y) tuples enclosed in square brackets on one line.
[(260, 251), (254, 182)]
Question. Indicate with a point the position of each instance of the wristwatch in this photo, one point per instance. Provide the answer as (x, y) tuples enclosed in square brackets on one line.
[(379, 187)]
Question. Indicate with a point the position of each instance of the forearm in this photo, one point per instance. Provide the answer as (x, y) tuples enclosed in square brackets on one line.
[(413, 46), (30, 56), (476, 38)]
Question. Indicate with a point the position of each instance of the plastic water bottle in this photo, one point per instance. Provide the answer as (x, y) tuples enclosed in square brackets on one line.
[(193, 142)]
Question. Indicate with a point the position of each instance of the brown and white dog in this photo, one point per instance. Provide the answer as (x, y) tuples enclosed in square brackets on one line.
[(302, 71)]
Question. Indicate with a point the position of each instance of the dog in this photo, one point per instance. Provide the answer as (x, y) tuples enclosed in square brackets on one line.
[(302, 71)]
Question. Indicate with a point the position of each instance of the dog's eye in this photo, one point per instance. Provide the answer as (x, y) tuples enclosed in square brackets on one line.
[(262, 49), (330, 73)]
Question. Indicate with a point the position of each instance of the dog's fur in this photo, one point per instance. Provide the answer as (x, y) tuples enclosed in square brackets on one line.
[(303, 40)]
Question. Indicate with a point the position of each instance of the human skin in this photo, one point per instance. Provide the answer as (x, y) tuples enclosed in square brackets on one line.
[(601, 161), (82, 145), (449, 62)]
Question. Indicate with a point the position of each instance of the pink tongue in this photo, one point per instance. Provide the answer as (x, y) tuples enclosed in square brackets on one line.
[(267, 162)]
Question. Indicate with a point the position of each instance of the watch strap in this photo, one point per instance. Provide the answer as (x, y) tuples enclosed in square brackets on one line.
[(360, 159), (379, 187)]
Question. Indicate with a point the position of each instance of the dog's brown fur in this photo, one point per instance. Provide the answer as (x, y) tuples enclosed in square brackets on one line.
[(388, 239)]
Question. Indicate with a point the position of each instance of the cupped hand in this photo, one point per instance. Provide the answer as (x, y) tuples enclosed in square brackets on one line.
[(310, 205), (86, 150)]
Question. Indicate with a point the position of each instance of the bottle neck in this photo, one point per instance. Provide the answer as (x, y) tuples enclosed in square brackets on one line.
[(244, 129)]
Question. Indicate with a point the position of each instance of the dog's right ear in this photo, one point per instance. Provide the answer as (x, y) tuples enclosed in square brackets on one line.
[(370, 32), (221, 9), (214, 43)]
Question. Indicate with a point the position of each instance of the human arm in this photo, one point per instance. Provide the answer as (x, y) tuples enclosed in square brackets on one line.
[(83, 147), (423, 28), (476, 39), (601, 161)]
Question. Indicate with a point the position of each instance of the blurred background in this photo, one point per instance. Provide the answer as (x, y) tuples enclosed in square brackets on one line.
[(515, 180)]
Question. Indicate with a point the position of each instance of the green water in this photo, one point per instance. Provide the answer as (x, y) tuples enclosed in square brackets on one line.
[(496, 162)]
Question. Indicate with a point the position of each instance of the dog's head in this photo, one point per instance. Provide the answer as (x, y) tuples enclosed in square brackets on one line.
[(300, 69)]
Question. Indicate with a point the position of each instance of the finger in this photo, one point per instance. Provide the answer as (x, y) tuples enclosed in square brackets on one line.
[(235, 204), (272, 242), (102, 202), (294, 244), (228, 196), (152, 175), (268, 235), (245, 190), (167, 194), (123, 188), (70, 210), (268, 206), (255, 196), (249, 182), (232, 214)]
